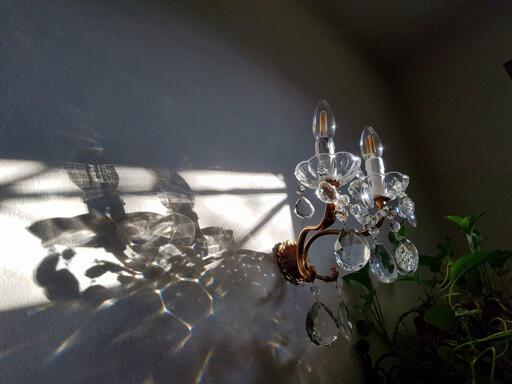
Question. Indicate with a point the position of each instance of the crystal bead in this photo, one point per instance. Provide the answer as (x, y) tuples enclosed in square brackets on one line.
[(360, 175), (360, 213), (395, 183), (406, 257), (373, 231), (382, 265), (344, 324), (352, 251), (412, 220), (326, 192), (303, 208), (394, 225), (358, 210), (342, 215), (343, 200), (322, 325), (405, 206)]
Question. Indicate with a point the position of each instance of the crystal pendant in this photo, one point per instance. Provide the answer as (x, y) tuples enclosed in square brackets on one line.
[(360, 213), (344, 324), (382, 265), (303, 208), (352, 251), (322, 325), (412, 220), (406, 206), (406, 257), (396, 183), (326, 192)]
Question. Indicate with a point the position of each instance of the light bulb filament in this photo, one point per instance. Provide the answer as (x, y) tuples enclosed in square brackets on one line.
[(370, 146), (323, 117)]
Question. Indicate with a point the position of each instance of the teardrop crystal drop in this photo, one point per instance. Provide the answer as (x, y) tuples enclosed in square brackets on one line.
[(344, 324), (326, 192), (352, 251), (322, 325), (406, 206), (406, 257), (382, 265), (303, 208)]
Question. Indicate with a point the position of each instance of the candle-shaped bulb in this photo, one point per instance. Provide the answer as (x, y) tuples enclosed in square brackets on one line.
[(370, 143), (324, 124)]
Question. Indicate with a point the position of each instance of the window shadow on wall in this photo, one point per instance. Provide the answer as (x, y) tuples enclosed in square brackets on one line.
[(146, 296)]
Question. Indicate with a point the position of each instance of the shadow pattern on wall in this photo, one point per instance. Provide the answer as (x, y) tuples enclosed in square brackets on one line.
[(189, 305)]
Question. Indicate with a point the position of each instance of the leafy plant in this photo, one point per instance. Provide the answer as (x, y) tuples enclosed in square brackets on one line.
[(461, 330)]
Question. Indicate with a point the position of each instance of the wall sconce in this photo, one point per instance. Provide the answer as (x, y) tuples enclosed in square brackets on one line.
[(361, 202)]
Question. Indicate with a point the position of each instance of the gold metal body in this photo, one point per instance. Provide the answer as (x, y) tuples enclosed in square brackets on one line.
[(292, 256)]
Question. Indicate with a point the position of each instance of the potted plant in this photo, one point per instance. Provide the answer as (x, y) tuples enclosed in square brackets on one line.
[(460, 332)]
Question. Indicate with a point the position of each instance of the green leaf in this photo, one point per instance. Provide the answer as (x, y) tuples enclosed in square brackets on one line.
[(401, 231), (361, 277), (460, 221), (442, 318), (466, 223), (473, 219), (472, 260), (393, 239)]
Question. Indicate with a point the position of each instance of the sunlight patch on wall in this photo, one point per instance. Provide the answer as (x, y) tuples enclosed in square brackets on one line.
[(253, 205)]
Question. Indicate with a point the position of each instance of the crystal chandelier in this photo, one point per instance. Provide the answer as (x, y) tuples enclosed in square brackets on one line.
[(366, 204)]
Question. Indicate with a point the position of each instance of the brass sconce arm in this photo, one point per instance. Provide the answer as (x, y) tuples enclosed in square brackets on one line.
[(292, 257)]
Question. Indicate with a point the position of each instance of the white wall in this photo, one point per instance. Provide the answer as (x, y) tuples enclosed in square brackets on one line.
[(190, 86), (460, 99)]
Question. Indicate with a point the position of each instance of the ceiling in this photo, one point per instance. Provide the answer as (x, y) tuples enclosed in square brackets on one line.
[(396, 31)]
